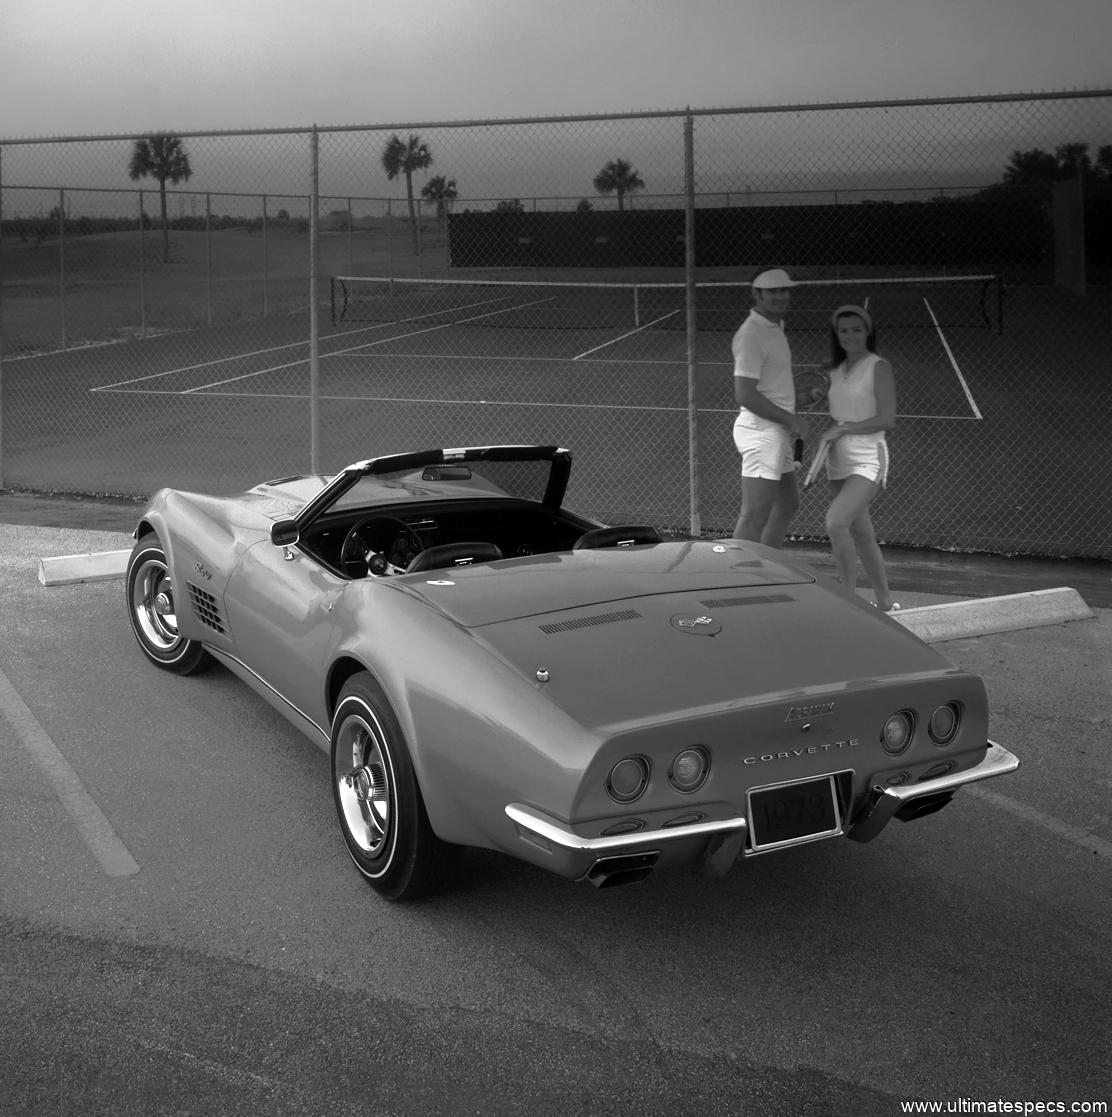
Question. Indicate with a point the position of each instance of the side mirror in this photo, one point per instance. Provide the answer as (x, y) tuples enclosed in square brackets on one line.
[(284, 533)]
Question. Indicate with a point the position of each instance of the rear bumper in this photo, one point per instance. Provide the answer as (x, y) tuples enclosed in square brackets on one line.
[(555, 846), (572, 855), (911, 800)]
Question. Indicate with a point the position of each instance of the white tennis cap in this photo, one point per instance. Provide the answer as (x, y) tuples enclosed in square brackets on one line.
[(773, 278)]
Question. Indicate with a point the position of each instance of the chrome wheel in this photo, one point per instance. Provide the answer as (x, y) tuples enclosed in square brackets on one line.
[(153, 613), (364, 783), (382, 815), (152, 605)]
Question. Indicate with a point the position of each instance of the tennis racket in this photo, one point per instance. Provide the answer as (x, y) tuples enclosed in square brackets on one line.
[(817, 463), (810, 389)]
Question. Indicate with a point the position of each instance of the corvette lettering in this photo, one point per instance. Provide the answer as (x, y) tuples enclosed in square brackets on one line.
[(809, 750), (813, 711)]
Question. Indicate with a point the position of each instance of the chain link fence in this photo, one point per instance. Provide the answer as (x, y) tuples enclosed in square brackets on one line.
[(299, 300)]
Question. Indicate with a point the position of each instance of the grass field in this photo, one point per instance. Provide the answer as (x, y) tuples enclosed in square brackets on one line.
[(1000, 447)]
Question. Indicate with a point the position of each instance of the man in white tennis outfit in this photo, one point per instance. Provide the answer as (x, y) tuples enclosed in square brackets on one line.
[(766, 425)]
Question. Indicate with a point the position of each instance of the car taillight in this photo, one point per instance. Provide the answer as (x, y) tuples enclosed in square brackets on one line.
[(689, 769), (943, 726), (628, 779), (897, 731)]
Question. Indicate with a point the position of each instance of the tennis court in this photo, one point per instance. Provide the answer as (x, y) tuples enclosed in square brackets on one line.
[(613, 387)]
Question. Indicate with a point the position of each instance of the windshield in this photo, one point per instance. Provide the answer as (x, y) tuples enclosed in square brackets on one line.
[(526, 480)]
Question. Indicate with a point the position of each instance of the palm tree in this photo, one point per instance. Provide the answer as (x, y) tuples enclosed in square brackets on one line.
[(440, 190), (162, 157), (618, 177), (405, 158)]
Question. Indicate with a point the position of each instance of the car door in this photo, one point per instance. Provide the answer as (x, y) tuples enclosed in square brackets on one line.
[(280, 606)]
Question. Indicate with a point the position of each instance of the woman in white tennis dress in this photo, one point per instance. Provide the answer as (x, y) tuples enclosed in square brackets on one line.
[(862, 401)]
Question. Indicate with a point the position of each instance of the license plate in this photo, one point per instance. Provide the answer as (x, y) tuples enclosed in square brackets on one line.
[(792, 813)]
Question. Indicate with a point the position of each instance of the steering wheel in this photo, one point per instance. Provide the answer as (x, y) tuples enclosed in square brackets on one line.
[(379, 545)]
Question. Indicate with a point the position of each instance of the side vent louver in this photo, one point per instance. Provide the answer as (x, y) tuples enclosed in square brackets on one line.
[(589, 622), (205, 607)]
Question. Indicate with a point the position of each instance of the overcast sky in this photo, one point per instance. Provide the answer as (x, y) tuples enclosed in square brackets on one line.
[(99, 67)]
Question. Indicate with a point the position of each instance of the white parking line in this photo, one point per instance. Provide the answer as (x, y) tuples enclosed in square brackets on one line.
[(95, 829), (1078, 835)]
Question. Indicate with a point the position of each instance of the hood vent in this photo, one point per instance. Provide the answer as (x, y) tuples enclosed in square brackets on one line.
[(206, 608), (589, 622), (752, 599)]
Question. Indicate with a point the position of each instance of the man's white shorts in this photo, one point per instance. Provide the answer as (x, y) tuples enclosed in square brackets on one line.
[(765, 453)]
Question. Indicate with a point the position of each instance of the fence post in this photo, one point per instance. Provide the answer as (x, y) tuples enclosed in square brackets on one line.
[(266, 261), (420, 246), (62, 262), (692, 343), (1, 317), (208, 255), (389, 241), (314, 308), (142, 272), (351, 238)]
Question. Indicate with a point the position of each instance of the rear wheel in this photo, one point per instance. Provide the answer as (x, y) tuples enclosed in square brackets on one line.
[(153, 612), (378, 803)]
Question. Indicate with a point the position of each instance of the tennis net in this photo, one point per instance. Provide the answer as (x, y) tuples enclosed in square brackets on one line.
[(972, 301)]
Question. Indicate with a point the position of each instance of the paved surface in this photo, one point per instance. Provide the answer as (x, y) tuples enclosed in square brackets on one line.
[(181, 932)]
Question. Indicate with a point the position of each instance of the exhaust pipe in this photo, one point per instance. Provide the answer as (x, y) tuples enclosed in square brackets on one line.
[(608, 872), (927, 804)]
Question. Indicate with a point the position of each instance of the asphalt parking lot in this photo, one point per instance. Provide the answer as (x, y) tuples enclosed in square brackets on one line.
[(181, 932)]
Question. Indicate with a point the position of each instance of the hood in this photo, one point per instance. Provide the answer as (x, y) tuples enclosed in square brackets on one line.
[(254, 510), (285, 496), (634, 636)]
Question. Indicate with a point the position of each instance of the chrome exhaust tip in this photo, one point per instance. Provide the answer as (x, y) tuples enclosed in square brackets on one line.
[(609, 872)]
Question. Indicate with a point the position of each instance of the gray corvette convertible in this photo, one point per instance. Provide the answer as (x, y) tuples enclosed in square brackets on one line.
[(486, 668)]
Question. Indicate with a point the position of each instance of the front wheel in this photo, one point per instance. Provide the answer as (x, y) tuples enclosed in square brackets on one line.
[(154, 614), (378, 803)]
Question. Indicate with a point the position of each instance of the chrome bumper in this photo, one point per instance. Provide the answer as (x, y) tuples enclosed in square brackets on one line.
[(618, 858), (573, 855), (534, 825), (886, 802)]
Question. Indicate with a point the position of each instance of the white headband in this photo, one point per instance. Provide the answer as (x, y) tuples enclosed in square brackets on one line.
[(850, 308)]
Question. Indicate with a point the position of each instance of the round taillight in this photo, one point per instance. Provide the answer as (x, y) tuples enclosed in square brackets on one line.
[(689, 769), (628, 779), (943, 726), (896, 735)]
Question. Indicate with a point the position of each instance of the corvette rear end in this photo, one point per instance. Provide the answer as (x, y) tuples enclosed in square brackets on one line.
[(727, 706)]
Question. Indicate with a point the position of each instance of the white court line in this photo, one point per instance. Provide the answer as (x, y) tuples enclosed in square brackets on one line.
[(459, 402), (615, 340), (278, 348), (296, 397), (1078, 835), (961, 379), (368, 345), (95, 829), (193, 368)]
